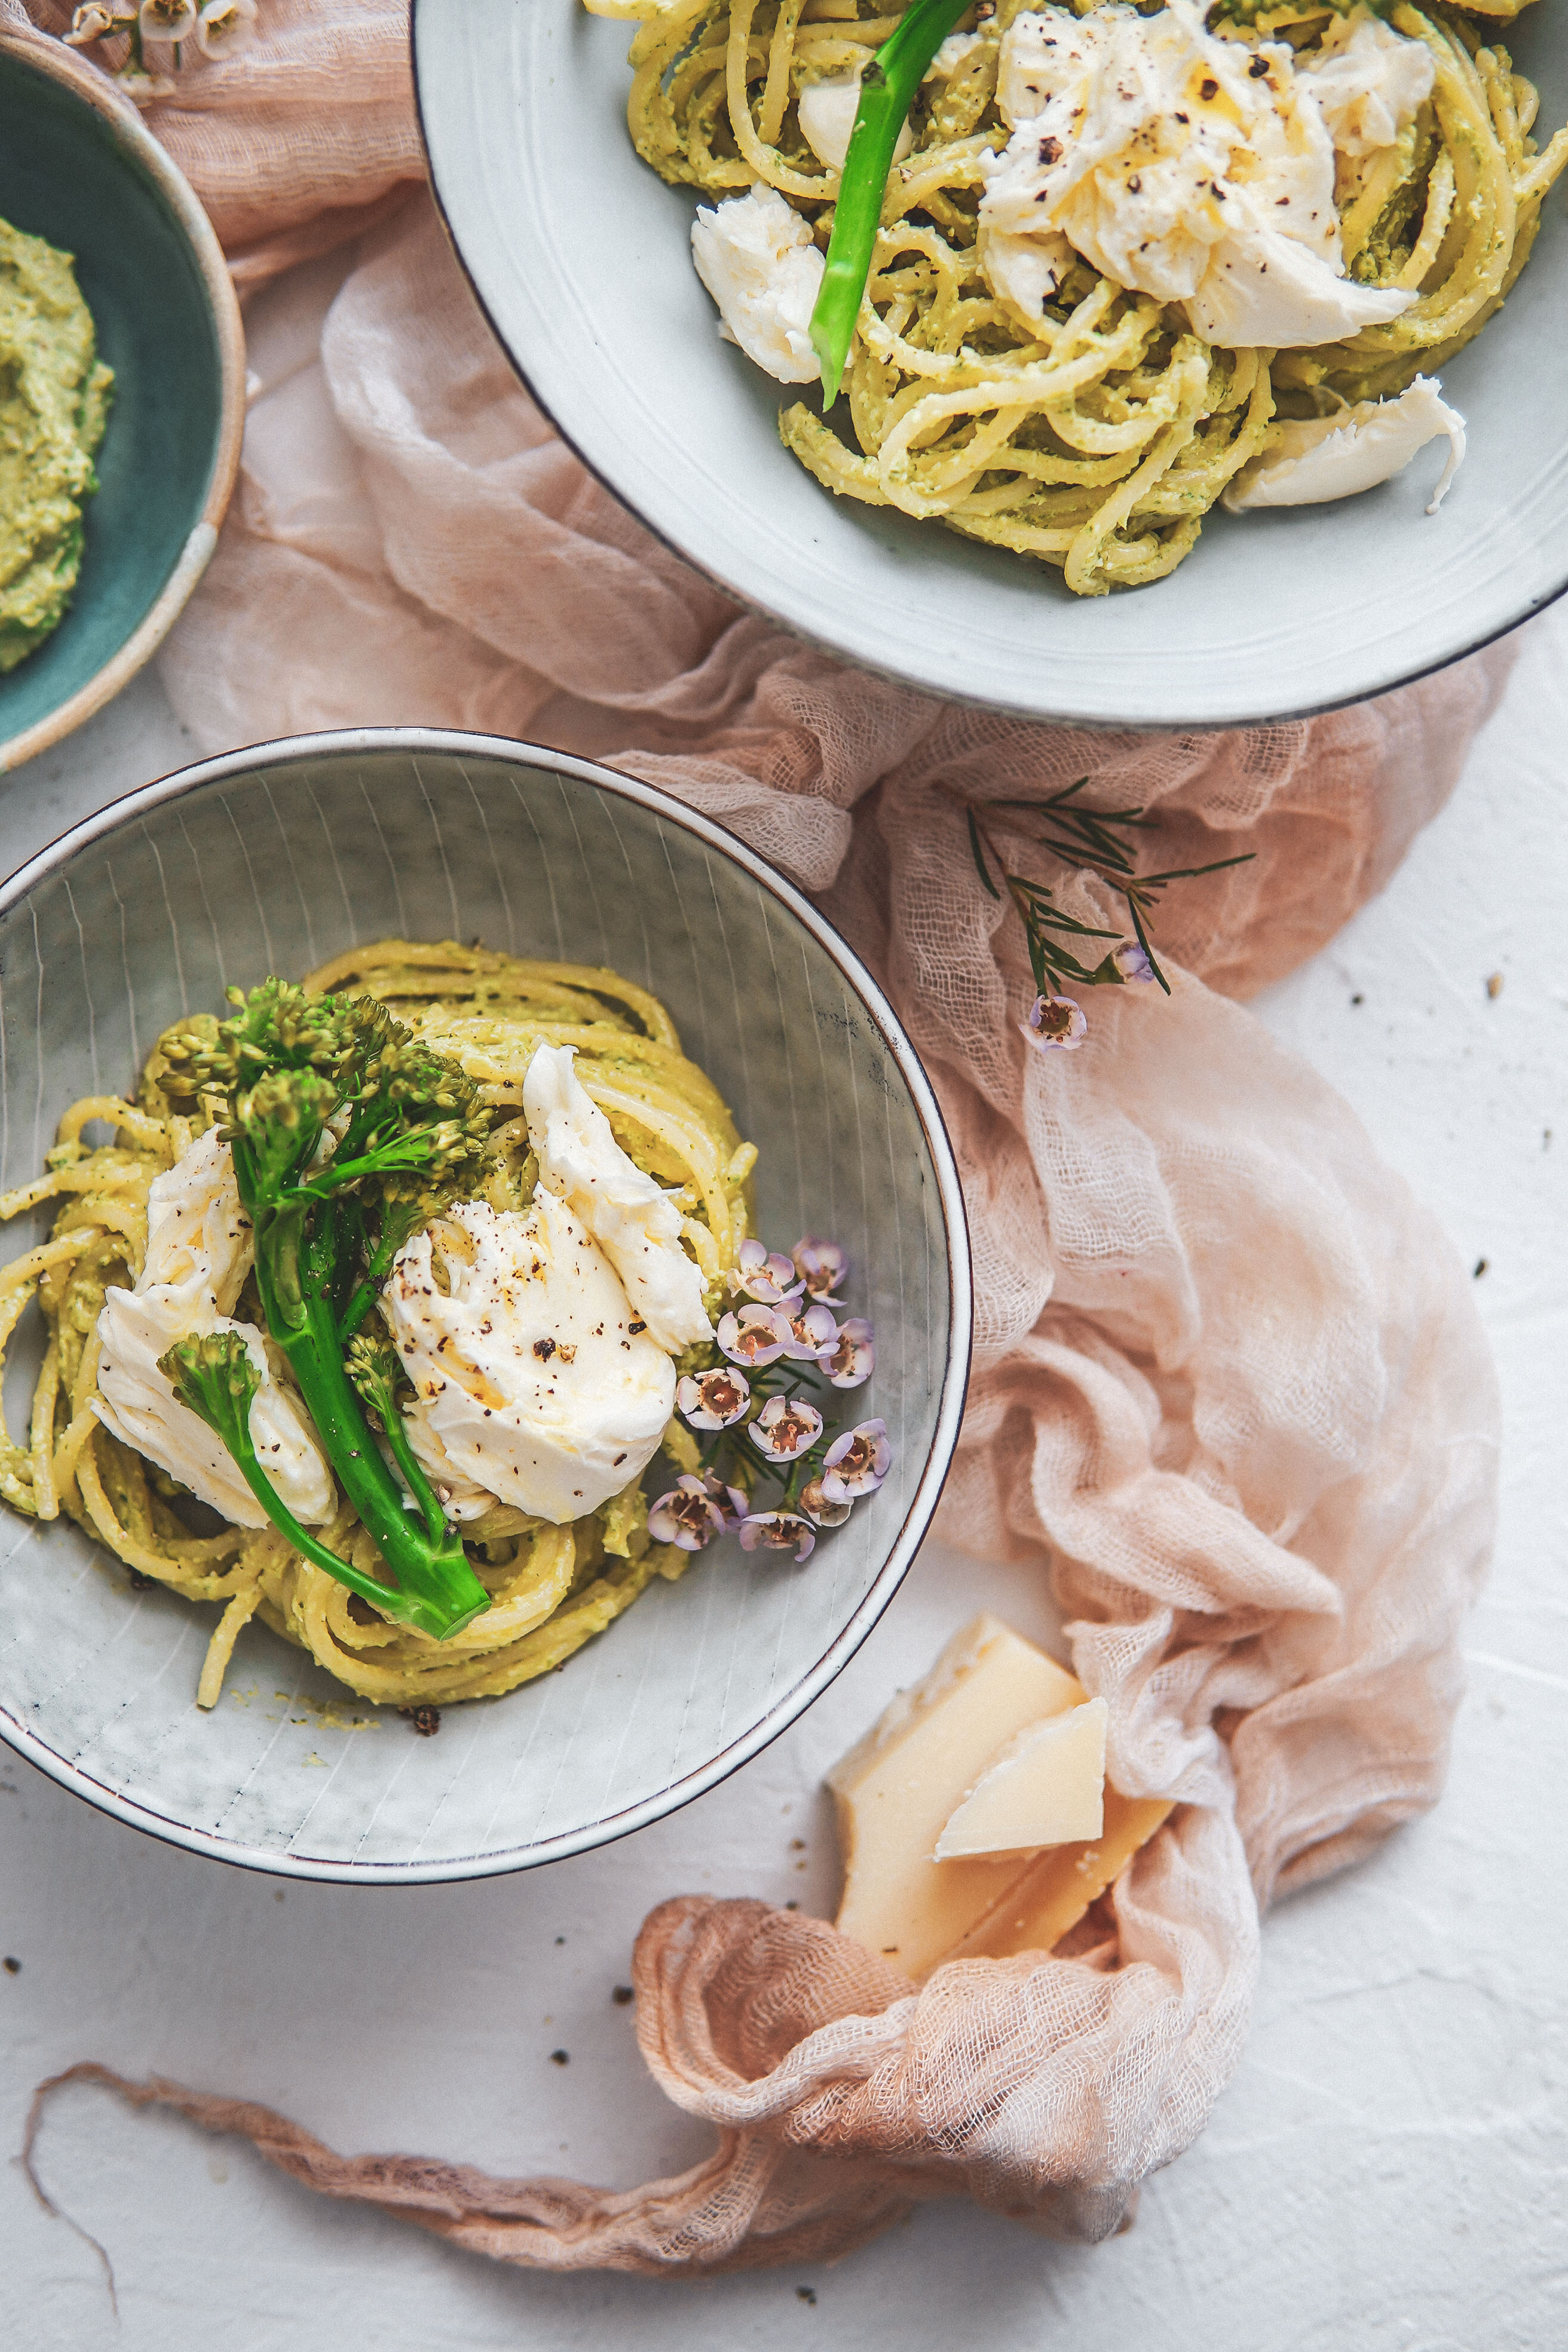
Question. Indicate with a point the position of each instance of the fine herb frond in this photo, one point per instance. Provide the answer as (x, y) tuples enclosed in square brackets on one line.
[(1079, 838), (979, 855)]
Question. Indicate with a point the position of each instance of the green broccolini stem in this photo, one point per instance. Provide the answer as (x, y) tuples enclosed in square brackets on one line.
[(373, 1369), (429, 1562), (887, 90), (213, 1378), (397, 1225), (408, 1124)]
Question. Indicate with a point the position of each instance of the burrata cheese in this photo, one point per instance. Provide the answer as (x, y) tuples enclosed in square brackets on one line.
[(1198, 170)]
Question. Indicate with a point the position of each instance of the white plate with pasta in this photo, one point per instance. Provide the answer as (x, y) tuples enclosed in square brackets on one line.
[(660, 1356), (1017, 499)]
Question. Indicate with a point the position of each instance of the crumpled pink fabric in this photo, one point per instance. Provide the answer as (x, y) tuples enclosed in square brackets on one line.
[(1231, 1393), (297, 144)]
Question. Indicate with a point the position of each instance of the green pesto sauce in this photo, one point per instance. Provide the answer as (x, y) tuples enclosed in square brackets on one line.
[(54, 403)]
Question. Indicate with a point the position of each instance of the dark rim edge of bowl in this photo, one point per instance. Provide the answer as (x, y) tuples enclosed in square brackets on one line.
[(59, 64), (1096, 722), (295, 749)]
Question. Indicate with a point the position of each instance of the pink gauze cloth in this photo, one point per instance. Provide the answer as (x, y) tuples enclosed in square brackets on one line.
[(1231, 1397)]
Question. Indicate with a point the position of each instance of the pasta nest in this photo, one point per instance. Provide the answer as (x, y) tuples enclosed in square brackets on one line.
[(552, 1588), (1098, 437)]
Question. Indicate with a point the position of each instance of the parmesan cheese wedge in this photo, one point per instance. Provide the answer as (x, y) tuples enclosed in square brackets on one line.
[(898, 1790), (1046, 1787), (1052, 1894)]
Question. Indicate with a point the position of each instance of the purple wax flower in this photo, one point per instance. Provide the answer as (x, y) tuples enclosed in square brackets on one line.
[(786, 1428), (687, 1516), (730, 1502), (757, 1334), (852, 1358), (1132, 961), (822, 1266), (766, 1276), (779, 1532), (822, 1513), (856, 1463), (1054, 1024), (814, 1333), (712, 1400)]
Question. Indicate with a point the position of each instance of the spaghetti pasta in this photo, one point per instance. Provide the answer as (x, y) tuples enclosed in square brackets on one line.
[(551, 1588), (1097, 431)]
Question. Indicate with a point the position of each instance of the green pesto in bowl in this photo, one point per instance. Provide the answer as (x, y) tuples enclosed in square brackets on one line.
[(54, 403), (78, 171)]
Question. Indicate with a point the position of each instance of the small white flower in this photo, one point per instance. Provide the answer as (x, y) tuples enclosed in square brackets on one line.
[(822, 1266), (756, 1336), (166, 22), (226, 27), (852, 1359), (818, 1509), (856, 1463), (778, 1531), (765, 1276), (786, 1428), (815, 1334), (687, 1517), (94, 21), (1132, 962), (712, 1400), (730, 1502), (1054, 1024)]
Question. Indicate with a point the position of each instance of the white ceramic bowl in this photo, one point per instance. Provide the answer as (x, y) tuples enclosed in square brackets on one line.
[(580, 257), (272, 860)]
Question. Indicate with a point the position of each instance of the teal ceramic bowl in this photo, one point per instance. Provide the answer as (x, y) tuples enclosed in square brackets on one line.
[(77, 167)]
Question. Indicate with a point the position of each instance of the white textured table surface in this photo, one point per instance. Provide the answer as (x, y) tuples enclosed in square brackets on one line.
[(1385, 2174)]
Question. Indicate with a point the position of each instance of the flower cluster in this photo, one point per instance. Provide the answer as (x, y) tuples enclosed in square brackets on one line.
[(160, 35), (778, 1341)]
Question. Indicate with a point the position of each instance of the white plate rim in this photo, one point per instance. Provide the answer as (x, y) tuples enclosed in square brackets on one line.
[(421, 741)]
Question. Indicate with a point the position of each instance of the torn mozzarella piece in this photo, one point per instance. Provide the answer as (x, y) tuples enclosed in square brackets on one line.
[(1196, 170), (755, 254), (827, 111), (1369, 82), (196, 1225), (199, 1251), (1326, 457), (955, 51), (1269, 291), (632, 1218), (1024, 272), (530, 1383)]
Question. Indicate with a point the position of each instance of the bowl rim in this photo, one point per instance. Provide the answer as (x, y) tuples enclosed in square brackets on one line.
[(424, 742), (1096, 720), (85, 82)]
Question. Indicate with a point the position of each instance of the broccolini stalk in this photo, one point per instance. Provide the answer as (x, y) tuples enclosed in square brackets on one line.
[(888, 89), (376, 1371), (405, 1123), (214, 1377)]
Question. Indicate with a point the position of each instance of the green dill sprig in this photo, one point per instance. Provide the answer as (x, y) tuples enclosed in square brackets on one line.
[(1098, 840)]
